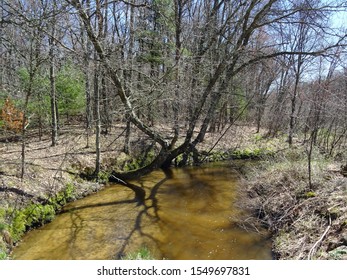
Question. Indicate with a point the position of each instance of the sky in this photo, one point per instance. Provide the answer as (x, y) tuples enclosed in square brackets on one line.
[(340, 19)]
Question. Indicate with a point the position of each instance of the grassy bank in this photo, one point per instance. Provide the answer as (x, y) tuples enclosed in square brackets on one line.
[(16, 220), (306, 221)]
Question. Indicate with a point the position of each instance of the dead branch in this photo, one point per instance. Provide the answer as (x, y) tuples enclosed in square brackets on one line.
[(312, 251)]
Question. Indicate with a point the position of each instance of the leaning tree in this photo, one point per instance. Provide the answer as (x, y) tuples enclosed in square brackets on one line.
[(194, 51)]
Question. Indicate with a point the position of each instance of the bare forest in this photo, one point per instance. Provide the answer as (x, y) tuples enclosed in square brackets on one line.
[(169, 82)]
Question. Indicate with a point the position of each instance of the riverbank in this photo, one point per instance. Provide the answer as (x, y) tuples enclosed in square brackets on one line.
[(276, 190), (306, 222), (50, 181), (56, 175)]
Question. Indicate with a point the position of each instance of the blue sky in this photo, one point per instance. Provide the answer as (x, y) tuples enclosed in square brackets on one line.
[(340, 19)]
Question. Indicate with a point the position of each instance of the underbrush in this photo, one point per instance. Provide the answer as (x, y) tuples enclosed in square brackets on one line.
[(308, 221), (15, 221)]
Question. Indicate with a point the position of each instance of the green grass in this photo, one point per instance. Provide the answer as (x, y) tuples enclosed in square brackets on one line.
[(142, 254)]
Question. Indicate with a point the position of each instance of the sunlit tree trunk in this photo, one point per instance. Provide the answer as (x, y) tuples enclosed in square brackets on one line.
[(54, 112), (128, 75), (97, 70), (97, 117), (86, 70), (178, 5), (294, 97)]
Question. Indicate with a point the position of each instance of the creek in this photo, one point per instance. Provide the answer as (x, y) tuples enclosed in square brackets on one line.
[(184, 213)]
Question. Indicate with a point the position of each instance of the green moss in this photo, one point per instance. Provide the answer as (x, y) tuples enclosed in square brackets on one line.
[(132, 164), (334, 213), (339, 253), (138, 160), (2, 226), (18, 225), (178, 160), (258, 137), (103, 177), (62, 197), (3, 255), (249, 153), (310, 194), (142, 160), (216, 156), (2, 219), (35, 214), (70, 191), (32, 215)]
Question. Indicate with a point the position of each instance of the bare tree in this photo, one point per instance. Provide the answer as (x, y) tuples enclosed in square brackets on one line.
[(222, 43), (184, 65), (52, 45)]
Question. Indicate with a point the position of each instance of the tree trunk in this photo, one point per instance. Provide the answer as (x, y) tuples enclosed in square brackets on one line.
[(54, 112), (87, 53), (176, 106), (97, 118), (25, 112)]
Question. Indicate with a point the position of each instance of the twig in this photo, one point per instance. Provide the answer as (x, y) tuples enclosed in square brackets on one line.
[(115, 139), (118, 180), (310, 254)]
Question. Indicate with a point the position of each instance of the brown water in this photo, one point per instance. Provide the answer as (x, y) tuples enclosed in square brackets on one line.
[(188, 213)]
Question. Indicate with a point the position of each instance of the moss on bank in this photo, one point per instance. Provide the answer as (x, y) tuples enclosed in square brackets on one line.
[(231, 154), (14, 222)]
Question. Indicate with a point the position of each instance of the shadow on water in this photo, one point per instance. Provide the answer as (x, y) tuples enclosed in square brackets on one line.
[(182, 213), (153, 204)]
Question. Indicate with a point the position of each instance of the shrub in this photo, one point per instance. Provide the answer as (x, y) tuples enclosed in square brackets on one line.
[(11, 117)]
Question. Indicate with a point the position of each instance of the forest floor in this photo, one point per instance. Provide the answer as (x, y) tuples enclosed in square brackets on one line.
[(305, 222), (49, 169)]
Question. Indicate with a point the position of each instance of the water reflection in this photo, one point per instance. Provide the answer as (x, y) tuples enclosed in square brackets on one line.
[(184, 213)]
